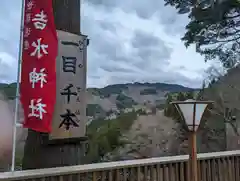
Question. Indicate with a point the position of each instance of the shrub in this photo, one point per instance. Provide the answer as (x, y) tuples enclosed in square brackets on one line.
[(107, 136)]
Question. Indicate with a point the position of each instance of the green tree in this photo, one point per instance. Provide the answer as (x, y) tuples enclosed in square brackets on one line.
[(93, 109), (189, 95), (106, 136), (169, 108), (201, 92), (214, 27), (9, 90), (181, 97)]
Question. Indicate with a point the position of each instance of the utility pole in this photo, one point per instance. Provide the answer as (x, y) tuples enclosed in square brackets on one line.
[(38, 153)]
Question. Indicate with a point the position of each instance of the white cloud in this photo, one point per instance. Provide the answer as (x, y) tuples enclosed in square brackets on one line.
[(129, 41)]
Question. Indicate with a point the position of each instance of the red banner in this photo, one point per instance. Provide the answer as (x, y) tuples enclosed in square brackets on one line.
[(38, 74)]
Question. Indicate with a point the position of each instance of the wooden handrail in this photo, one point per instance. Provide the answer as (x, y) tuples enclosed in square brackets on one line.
[(39, 173)]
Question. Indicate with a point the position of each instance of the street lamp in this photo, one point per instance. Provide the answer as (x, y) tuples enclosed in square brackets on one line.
[(192, 111)]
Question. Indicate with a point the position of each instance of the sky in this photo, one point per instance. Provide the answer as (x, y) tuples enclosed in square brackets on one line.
[(130, 41)]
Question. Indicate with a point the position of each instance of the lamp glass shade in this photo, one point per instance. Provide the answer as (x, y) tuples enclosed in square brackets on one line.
[(200, 108), (187, 110)]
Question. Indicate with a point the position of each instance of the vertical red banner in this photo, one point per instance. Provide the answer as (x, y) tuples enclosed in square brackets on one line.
[(38, 73)]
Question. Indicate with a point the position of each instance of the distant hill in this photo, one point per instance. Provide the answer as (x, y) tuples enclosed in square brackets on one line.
[(114, 98), (146, 89), (9, 89)]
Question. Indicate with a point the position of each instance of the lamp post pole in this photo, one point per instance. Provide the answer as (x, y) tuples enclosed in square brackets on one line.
[(193, 146), (192, 112), (193, 156)]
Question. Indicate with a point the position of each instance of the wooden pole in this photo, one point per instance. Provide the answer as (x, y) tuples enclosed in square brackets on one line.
[(193, 157), (37, 152), (67, 15)]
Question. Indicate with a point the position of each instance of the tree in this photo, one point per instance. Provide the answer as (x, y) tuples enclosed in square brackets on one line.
[(225, 94), (189, 95), (181, 97), (170, 110), (199, 95), (214, 27), (225, 112), (214, 74), (223, 109), (108, 136)]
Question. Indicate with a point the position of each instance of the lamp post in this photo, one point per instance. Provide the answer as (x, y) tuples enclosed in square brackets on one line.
[(192, 111)]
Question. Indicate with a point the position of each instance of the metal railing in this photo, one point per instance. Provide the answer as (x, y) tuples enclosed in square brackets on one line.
[(218, 166)]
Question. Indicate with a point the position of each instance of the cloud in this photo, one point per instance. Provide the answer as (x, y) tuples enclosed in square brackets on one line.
[(8, 68), (150, 49), (146, 10), (9, 39), (130, 41)]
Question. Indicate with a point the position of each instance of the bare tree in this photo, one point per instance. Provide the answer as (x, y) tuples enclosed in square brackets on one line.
[(228, 113), (214, 73), (225, 93)]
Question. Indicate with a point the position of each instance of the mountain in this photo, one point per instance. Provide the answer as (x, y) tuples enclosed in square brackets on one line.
[(10, 89), (103, 102)]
